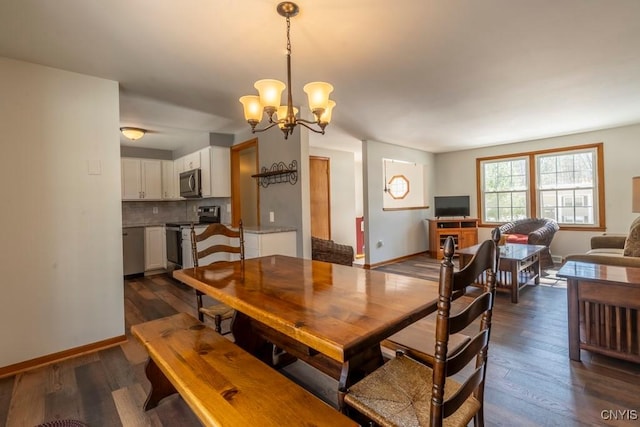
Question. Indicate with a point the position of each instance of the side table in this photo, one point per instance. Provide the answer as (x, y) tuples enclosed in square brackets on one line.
[(603, 308)]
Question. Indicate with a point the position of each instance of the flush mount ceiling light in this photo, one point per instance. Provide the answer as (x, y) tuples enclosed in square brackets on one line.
[(133, 133), (270, 92)]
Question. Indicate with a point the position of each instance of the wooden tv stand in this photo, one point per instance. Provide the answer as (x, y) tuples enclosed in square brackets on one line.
[(464, 232)]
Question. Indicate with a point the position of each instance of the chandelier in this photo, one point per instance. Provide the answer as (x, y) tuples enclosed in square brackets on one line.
[(270, 93)]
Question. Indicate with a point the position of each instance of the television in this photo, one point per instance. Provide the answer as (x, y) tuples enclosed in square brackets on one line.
[(451, 206)]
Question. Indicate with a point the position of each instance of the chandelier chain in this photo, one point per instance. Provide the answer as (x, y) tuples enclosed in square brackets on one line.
[(288, 37)]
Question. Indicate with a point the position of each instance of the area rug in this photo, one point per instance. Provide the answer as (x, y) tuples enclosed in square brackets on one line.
[(63, 423)]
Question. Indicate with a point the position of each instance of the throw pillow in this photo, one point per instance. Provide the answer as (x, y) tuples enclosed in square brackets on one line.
[(632, 245), (518, 238)]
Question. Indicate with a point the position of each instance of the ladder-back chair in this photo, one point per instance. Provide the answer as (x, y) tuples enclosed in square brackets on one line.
[(407, 392), (219, 311)]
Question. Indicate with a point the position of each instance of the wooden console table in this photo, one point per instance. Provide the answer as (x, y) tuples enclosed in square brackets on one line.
[(464, 233), (603, 309)]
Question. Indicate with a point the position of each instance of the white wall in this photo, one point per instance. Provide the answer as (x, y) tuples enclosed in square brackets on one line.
[(400, 232), (343, 194), (456, 174), (61, 263)]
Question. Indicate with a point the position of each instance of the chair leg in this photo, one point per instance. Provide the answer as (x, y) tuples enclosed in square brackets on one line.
[(199, 305), (478, 418), (218, 321)]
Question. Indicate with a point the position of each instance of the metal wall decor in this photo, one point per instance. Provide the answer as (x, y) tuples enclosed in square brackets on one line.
[(279, 172)]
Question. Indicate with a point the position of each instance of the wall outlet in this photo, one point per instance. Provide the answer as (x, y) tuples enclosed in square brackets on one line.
[(228, 207), (272, 217), (155, 209)]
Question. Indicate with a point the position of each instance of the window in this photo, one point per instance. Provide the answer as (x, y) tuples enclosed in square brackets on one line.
[(398, 187), (505, 190), (564, 184), (403, 185)]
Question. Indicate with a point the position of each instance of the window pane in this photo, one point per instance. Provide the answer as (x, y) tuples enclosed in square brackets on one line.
[(547, 180), (584, 178), (491, 215), (519, 200), (491, 200), (547, 165), (504, 200), (504, 214), (548, 199), (519, 167)]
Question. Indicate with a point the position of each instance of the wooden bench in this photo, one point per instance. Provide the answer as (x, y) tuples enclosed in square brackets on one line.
[(223, 384)]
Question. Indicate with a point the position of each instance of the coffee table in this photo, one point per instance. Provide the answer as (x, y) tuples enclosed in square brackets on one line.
[(519, 266)]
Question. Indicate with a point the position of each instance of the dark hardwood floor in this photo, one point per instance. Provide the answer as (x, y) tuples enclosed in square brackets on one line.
[(530, 380)]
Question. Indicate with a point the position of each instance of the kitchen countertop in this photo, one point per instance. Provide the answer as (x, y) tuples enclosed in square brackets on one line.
[(262, 229), (267, 229)]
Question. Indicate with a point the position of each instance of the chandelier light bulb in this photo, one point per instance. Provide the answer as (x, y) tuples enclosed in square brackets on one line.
[(252, 108), (270, 92)]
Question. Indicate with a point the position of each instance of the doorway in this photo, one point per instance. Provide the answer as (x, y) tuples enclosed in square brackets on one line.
[(245, 194), (320, 193)]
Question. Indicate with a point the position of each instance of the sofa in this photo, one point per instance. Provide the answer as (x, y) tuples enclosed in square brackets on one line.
[(330, 251), (532, 231), (614, 249)]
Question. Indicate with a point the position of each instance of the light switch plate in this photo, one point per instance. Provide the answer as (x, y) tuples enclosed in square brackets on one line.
[(272, 216)]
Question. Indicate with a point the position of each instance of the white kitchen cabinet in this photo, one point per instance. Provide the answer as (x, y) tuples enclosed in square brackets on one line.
[(281, 243), (220, 171), (141, 179), (169, 191), (192, 161), (205, 171), (155, 245), (131, 179), (178, 168), (151, 179)]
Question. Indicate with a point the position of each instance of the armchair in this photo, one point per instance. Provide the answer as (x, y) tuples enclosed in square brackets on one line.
[(532, 231), (330, 251)]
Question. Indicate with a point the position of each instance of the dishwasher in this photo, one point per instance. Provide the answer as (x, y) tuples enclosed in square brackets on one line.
[(133, 251)]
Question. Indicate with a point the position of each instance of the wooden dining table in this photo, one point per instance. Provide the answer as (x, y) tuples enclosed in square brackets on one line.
[(331, 316)]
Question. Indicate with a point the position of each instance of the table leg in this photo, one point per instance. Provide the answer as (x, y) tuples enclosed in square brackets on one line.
[(248, 340), (515, 282), (573, 319), (536, 269)]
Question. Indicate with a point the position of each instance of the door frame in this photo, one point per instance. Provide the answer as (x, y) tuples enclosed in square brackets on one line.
[(235, 179)]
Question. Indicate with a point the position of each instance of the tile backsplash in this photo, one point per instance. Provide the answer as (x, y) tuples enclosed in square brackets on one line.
[(161, 212)]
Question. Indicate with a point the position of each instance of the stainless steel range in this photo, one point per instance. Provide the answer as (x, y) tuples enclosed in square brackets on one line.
[(178, 236)]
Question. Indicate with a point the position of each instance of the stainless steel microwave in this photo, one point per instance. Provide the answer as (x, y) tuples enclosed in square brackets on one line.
[(190, 185)]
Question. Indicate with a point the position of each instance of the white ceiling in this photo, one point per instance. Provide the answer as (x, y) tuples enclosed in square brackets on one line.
[(439, 75)]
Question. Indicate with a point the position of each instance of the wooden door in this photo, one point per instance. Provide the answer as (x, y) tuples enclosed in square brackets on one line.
[(245, 194), (319, 185)]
